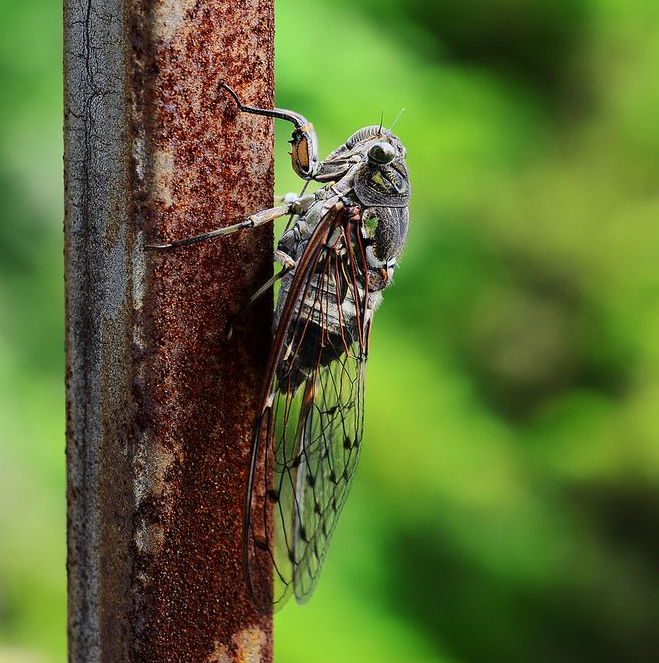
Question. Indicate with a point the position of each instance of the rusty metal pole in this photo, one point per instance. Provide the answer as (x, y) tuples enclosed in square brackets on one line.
[(160, 405)]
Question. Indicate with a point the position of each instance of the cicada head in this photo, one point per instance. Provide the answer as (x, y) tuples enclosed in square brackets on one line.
[(383, 179)]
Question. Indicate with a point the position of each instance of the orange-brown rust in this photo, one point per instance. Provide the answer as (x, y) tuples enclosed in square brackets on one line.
[(205, 166)]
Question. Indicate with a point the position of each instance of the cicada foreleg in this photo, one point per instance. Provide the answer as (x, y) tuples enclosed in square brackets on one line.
[(288, 265), (252, 221), (304, 144)]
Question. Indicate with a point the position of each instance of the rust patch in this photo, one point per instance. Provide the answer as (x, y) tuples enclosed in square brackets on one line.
[(159, 404), (197, 165)]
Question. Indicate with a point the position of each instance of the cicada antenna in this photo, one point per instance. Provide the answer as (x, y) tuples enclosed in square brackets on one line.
[(381, 121), (400, 112)]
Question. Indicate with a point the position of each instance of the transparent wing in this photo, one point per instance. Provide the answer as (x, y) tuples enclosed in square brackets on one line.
[(309, 433)]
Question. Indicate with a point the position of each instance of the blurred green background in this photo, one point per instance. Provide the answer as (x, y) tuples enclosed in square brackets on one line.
[(507, 504)]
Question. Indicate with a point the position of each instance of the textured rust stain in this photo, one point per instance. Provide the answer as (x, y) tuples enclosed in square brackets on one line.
[(198, 165)]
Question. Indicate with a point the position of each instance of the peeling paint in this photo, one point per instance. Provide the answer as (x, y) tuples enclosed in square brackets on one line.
[(220, 654), (152, 462), (168, 16), (149, 538), (250, 643), (138, 284), (139, 156), (163, 171)]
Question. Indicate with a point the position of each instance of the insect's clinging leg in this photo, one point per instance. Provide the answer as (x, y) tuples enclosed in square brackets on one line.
[(253, 221), (263, 289), (285, 261), (304, 152)]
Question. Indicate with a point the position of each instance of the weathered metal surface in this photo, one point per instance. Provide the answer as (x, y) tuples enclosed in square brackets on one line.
[(160, 405)]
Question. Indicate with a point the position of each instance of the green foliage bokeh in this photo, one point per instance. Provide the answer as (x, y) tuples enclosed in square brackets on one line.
[(506, 507)]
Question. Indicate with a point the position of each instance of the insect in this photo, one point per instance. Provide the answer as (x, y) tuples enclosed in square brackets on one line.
[(337, 257)]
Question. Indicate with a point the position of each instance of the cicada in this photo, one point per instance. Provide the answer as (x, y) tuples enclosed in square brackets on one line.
[(337, 257)]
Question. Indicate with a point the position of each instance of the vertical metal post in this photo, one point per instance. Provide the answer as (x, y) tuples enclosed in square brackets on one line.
[(160, 405)]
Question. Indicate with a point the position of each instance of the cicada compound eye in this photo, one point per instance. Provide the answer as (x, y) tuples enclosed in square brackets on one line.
[(382, 152)]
